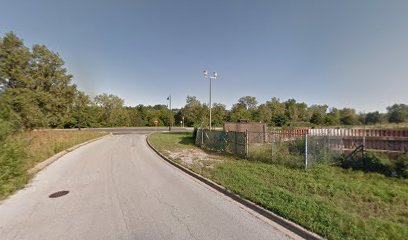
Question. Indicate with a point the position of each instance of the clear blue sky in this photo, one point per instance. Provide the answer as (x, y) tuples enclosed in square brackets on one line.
[(342, 53)]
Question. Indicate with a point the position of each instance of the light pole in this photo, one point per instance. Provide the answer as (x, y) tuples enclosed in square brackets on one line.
[(214, 76), (169, 99)]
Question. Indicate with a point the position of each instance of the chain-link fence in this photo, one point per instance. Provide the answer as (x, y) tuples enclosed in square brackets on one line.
[(230, 142), (299, 147), (292, 148)]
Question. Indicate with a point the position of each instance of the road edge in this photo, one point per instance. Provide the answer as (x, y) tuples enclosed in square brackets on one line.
[(289, 225), (41, 165)]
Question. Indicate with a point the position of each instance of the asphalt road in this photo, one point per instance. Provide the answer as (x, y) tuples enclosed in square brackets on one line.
[(120, 189)]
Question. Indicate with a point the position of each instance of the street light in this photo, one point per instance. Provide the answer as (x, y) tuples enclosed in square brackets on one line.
[(169, 99), (214, 76)]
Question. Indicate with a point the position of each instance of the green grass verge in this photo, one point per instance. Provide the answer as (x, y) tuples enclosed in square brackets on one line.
[(20, 152), (331, 201), (174, 141)]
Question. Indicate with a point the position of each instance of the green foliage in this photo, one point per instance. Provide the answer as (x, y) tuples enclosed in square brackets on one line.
[(9, 121), (34, 84), (348, 116), (280, 120), (401, 166), (13, 175), (219, 114), (240, 112), (21, 151), (369, 163), (373, 118), (378, 163), (397, 113), (248, 102), (317, 118), (195, 113), (111, 110)]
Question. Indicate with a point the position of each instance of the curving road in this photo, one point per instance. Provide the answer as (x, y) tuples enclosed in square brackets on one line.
[(120, 189)]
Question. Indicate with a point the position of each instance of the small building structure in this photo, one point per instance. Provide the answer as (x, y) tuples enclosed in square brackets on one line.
[(257, 132)]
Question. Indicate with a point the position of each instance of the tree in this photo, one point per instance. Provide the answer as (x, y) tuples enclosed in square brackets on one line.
[(248, 102), (397, 113), (195, 114), (16, 82), (333, 117), (318, 114), (291, 110), (112, 112), (83, 112), (35, 85), (51, 84), (264, 114), (373, 117), (278, 111), (317, 118), (239, 111), (135, 118), (348, 116), (218, 114), (14, 63)]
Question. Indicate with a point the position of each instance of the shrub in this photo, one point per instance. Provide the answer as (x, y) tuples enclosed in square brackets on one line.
[(401, 166), (12, 165), (370, 162)]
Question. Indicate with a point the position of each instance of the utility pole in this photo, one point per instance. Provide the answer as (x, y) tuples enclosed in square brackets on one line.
[(170, 115), (214, 76)]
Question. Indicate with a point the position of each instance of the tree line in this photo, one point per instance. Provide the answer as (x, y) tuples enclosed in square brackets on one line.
[(36, 91)]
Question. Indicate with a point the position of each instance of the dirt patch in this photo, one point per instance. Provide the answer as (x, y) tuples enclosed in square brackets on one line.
[(194, 157)]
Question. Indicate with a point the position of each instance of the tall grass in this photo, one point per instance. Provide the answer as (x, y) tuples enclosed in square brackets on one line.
[(13, 172), (21, 151)]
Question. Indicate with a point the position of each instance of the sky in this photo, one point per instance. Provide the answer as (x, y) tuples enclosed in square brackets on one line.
[(349, 53)]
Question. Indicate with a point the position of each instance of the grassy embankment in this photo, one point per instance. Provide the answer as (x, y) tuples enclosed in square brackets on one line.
[(20, 152), (331, 201)]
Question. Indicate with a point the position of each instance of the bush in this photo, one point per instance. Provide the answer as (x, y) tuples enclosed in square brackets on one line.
[(382, 164), (12, 166), (401, 166), (9, 122)]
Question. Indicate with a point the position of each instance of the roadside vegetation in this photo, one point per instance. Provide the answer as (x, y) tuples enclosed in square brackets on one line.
[(22, 151), (334, 202)]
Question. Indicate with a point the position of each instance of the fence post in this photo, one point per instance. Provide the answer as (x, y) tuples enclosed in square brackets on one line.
[(246, 144), (202, 137), (306, 150), (264, 133), (272, 141)]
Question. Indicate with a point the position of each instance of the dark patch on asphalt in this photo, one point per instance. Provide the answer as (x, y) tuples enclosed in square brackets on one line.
[(58, 194)]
